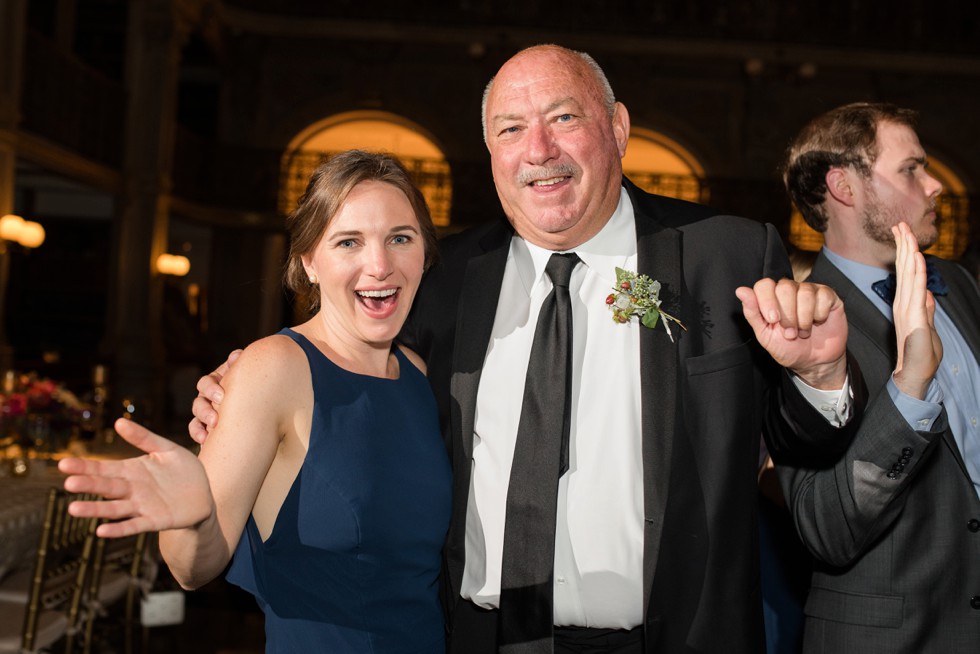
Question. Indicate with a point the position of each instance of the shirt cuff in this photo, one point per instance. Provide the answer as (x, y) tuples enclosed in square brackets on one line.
[(835, 406), (920, 414)]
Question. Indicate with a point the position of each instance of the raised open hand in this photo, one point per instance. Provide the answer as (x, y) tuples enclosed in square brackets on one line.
[(919, 348)]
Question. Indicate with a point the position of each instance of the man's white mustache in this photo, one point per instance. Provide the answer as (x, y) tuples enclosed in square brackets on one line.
[(527, 176)]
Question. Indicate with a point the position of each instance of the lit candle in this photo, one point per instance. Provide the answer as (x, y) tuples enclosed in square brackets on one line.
[(8, 381)]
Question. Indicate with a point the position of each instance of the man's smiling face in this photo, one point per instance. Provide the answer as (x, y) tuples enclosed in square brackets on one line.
[(555, 151)]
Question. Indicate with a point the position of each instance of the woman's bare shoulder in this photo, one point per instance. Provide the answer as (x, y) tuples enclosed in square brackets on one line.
[(274, 353), (270, 363)]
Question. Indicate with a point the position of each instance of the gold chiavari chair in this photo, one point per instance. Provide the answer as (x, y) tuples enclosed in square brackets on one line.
[(121, 569), (57, 586)]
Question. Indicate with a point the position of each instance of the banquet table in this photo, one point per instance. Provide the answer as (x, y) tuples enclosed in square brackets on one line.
[(23, 497), (22, 502)]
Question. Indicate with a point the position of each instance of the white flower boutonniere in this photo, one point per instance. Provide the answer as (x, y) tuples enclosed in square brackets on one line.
[(638, 295)]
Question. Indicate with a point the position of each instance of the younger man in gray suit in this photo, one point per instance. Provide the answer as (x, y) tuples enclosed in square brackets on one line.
[(895, 523)]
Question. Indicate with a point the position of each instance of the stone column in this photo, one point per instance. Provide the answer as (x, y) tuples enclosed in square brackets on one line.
[(154, 36)]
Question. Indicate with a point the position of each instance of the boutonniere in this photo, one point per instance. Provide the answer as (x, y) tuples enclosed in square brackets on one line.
[(638, 295)]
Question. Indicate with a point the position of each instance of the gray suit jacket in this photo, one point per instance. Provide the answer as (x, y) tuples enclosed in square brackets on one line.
[(898, 559)]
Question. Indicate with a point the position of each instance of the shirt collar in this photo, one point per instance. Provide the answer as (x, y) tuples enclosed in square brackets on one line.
[(611, 248), (863, 276)]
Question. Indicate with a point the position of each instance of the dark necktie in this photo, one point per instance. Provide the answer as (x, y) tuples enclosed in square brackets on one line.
[(885, 288), (540, 459)]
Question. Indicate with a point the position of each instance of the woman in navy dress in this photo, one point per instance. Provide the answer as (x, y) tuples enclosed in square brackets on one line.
[(326, 477)]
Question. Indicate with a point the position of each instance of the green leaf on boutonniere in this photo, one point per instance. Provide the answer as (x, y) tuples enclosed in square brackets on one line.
[(650, 318)]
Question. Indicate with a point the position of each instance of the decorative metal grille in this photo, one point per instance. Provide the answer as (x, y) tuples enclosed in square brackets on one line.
[(684, 187), (430, 175)]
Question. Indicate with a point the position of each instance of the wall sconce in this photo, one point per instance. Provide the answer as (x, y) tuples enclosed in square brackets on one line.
[(28, 233), (10, 226), (173, 264)]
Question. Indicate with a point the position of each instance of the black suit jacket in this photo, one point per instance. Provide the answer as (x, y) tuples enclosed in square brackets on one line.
[(706, 399), (899, 558)]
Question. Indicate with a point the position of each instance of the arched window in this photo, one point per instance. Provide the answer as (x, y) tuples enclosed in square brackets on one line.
[(952, 206), (658, 164), (368, 130)]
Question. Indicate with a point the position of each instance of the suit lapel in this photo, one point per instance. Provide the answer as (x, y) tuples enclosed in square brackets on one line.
[(476, 307), (861, 313), (474, 325), (659, 257)]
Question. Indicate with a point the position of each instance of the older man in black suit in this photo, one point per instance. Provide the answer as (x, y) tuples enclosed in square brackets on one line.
[(654, 542)]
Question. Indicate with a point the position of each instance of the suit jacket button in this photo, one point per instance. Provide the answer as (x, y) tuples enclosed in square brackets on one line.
[(975, 602), (908, 451), (973, 525)]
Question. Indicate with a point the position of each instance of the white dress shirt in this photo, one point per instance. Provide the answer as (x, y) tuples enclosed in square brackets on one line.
[(599, 539)]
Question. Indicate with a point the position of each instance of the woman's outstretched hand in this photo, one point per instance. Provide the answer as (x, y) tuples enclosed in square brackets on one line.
[(166, 488)]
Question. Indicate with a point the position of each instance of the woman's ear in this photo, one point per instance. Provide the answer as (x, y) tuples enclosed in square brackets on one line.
[(308, 267)]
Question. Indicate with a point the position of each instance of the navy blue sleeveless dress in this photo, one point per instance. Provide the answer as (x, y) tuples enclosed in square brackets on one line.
[(353, 559)]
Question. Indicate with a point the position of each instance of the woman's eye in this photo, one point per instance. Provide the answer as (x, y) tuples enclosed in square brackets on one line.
[(346, 243), (401, 239)]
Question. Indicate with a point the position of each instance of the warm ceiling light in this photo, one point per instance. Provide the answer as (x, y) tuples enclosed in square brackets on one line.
[(16, 229), (10, 227), (31, 234), (173, 264)]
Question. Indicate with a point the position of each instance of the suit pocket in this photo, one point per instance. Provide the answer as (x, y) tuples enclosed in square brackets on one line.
[(720, 407), (730, 357), (853, 608)]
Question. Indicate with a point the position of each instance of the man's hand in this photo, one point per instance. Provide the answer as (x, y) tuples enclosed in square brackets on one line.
[(802, 326), (209, 396), (919, 348)]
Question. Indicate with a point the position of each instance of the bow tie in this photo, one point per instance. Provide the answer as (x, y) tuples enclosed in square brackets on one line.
[(885, 288)]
